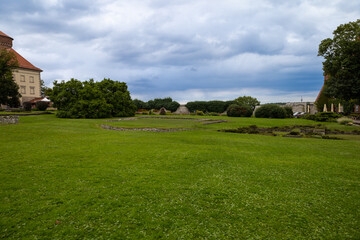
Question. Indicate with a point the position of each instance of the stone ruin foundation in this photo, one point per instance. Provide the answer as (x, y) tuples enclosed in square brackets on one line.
[(9, 119)]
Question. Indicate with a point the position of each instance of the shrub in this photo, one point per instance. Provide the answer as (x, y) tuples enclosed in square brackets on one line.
[(200, 113), (27, 106), (289, 112), (270, 111), (41, 106), (294, 132), (326, 117), (309, 117), (213, 114), (235, 110)]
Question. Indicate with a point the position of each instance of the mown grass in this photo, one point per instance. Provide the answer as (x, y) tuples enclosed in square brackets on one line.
[(71, 179)]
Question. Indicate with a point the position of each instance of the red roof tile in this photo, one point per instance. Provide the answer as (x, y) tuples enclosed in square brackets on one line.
[(23, 63), (3, 34)]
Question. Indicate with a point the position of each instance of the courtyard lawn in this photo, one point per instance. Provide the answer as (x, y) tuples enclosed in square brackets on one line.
[(71, 179)]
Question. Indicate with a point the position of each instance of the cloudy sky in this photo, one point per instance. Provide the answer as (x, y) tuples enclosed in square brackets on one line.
[(186, 49)]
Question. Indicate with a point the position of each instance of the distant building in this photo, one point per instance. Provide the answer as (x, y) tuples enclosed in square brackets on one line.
[(307, 107), (27, 76)]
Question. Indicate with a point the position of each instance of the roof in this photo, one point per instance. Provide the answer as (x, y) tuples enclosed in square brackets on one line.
[(40, 99), (4, 35), (23, 63)]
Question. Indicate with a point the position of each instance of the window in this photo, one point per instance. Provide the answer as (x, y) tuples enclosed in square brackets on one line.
[(356, 108), (31, 79), (22, 89), (22, 78), (32, 90)]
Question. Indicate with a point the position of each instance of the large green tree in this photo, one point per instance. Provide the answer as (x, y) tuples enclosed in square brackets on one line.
[(90, 99), (342, 62), (247, 100), (9, 90)]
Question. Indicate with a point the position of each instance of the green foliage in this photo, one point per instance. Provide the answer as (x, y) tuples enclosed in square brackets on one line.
[(289, 111), (216, 106), (235, 110), (209, 106), (326, 117), (44, 90), (247, 100), (27, 106), (342, 62), (158, 103), (200, 113), (212, 114), (309, 117), (41, 106), (197, 105), (89, 99), (140, 104), (9, 90), (270, 111)]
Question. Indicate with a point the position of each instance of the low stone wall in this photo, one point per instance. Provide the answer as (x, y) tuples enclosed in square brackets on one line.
[(9, 119)]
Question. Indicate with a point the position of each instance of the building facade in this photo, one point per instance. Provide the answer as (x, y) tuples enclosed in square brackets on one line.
[(27, 76)]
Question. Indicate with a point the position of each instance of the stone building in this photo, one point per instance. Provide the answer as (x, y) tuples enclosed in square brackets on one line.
[(27, 76), (306, 107)]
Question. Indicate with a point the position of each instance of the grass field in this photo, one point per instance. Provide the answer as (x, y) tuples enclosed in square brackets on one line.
[(71, 179)]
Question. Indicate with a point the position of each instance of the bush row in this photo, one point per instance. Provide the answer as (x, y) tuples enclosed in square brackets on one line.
[(209, 106), (157, 103)]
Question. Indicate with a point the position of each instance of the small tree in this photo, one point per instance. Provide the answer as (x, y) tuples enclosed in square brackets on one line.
[(9, 90)]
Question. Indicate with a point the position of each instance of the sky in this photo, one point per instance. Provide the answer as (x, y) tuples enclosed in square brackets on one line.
[(189, 50)]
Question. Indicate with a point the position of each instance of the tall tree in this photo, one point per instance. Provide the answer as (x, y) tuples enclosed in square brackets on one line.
[(247, 100), (9, 90), (342, 62)]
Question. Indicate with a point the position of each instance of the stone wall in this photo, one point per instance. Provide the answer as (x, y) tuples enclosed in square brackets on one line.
[(9, 119)]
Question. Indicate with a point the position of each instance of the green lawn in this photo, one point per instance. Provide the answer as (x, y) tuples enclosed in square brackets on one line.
[(71, 179)]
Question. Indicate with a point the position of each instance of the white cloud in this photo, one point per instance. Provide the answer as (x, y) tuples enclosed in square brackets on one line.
[(201, 48)]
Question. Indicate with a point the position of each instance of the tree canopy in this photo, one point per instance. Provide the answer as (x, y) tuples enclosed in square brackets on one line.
[(90, 99), (342, 62), (157, 103), (247, 100), (9, 90)]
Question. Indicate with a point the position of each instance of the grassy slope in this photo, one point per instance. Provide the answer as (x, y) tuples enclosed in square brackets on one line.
[(192, 184)]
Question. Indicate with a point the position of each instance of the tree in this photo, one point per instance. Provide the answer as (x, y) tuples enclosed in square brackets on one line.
[(342, 62), (247, 100), (44, 90), (9, 90), (90, 99), (235, 110), (140, 104), (159, 103)]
